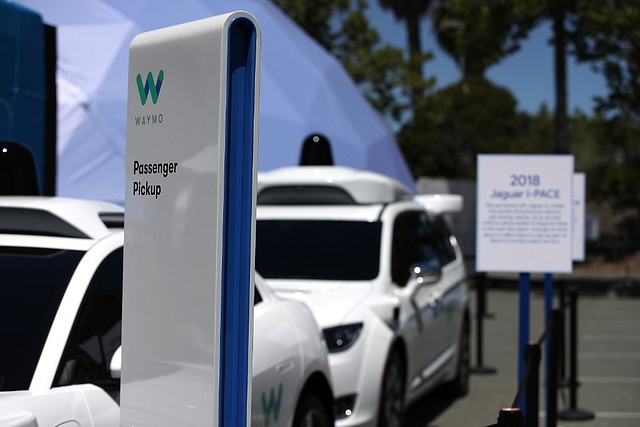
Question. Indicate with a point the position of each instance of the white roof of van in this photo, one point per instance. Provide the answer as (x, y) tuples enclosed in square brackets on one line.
[(363, 186), (87, 219)]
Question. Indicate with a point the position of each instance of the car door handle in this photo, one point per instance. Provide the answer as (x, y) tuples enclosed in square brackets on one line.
[(284, 367), (434, 301)]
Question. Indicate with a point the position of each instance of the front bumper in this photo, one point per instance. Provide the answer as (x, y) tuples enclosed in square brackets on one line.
[(357, 375)]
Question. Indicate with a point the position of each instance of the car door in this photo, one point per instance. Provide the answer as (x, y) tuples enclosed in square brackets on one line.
[(276, 364), (416, 270), (94, 338), (452, 284)]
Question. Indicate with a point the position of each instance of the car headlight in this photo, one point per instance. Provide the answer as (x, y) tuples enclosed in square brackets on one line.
[(340, 338)]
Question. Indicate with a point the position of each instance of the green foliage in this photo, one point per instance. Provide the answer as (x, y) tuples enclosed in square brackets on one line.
[(478, 34), (412, 12), (316, 17), (441, 133), (614, 170), (383, 73), (535, 132), (471, 117), (606, 34), (402, 9)]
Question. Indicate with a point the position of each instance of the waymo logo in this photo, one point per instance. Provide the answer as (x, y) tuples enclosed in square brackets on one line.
[(272, 406), (149, 87)]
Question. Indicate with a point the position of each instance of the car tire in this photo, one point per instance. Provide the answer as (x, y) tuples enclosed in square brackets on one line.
[(391, 408), (459, 386), (311, 413)]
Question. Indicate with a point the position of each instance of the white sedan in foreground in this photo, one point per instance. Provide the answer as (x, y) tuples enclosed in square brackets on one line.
[(61, 287)]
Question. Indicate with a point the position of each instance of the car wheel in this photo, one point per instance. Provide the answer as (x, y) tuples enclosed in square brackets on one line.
[(391, 411), (460, 384), (311, 413)]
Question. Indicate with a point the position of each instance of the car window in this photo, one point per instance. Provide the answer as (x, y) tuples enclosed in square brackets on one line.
[(257, 298), (446, 250), (96, 333), (318, 249), (414, 244), (33, 282)]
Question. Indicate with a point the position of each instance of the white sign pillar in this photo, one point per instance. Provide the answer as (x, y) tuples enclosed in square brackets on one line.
[(524, 224), (189, 230)]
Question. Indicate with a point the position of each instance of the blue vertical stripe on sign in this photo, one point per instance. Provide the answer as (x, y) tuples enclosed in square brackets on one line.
[(237, 280)]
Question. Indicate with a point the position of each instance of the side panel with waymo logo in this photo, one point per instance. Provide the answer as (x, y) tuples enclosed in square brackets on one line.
[(271, 404), (275, 386)]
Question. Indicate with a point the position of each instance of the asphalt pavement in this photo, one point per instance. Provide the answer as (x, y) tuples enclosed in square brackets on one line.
[(608, 364)]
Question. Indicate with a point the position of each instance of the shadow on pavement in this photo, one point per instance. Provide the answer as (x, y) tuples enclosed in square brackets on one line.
[(428, 408)]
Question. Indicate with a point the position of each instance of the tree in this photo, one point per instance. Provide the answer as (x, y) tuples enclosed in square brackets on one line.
[(459, 126), (558, 11), (606, 34), (375, 67), (381, 71), (478, 34), (486, 31), (412, 11), (473, 116), (315, 17)]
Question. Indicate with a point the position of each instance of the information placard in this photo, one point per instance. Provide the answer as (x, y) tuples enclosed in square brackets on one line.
[(524, 213)]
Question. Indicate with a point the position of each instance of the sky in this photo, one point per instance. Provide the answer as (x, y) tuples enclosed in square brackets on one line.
[(528, 74)]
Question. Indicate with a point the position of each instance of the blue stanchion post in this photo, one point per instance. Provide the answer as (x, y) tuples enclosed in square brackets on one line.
[(525, 290), (548, 304), (554, 344)]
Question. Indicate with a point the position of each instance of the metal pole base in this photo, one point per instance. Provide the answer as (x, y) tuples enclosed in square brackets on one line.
[(484, 370), (576, 415)]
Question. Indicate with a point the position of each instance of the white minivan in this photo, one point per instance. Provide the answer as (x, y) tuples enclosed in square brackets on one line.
[(60, 323), (383, 275)]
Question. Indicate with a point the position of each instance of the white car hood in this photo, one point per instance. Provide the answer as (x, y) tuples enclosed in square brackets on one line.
[(332, 303)]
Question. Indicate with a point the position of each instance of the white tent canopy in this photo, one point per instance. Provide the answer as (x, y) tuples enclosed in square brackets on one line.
[(304, 90)]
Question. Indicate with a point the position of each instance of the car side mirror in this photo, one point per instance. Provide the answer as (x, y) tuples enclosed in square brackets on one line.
[(426, 272), (115, 367)]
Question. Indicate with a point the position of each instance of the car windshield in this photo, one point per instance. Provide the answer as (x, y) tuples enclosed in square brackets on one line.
[(33, 282), (318, 250)]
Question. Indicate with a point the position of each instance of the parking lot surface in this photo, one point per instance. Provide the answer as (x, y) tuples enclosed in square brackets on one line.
[(608, 365)]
